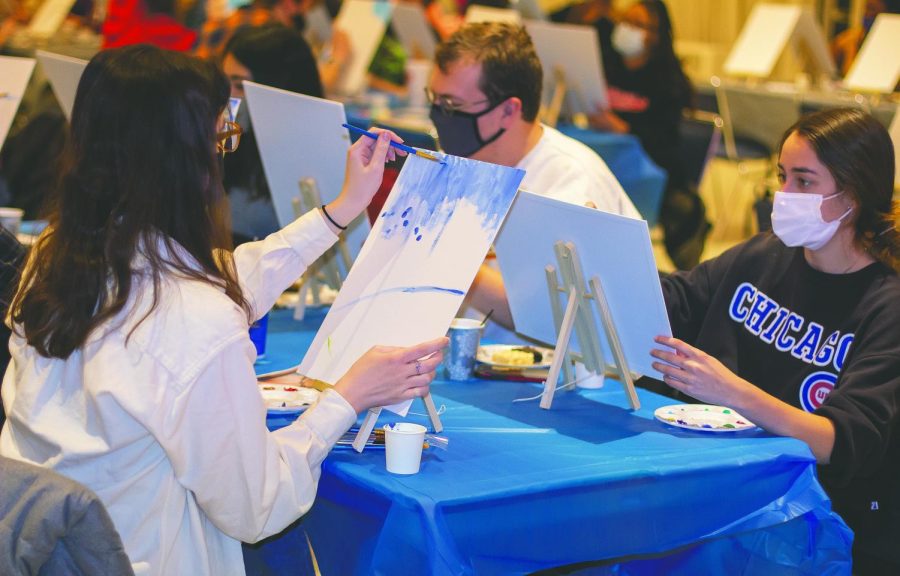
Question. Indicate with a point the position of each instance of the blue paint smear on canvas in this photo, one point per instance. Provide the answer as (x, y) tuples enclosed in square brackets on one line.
[(427, 193), (406, 290)]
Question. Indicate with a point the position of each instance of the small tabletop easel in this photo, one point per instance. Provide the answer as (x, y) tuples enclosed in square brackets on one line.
[(327, 265), (550, 116), (578, 315), (365, 429)]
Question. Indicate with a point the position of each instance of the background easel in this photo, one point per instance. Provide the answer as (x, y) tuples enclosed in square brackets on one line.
[(325, 271), (578, 315)]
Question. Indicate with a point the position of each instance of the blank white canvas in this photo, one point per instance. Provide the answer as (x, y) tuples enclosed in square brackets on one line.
[(877, 67), (575, 50), (64, 73), (14, 76), (364, 22), (408, 282), (49, 17), (478, 13), (762, 40), (413, 31), (767, 33), (614, 248), (300, 137)]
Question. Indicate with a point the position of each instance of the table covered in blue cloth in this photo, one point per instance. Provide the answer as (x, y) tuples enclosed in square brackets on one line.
[(523, 489)]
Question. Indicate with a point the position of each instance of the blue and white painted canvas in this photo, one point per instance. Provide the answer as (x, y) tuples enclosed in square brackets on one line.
[(418, 262)]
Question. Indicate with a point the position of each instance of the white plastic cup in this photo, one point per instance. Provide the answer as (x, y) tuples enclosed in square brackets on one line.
[(403, 447), (417, 73), (465, 335), (11, 219), (587, 379)]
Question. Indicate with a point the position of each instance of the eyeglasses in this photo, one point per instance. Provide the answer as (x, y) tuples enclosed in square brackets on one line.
[(446, 104), (228, 139)]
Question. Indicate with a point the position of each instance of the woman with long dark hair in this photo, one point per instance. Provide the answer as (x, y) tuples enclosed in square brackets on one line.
[(132, 369), (799, 329), (648, 90)]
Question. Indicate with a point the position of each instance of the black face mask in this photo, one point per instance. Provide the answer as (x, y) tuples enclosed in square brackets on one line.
[(458, 132)]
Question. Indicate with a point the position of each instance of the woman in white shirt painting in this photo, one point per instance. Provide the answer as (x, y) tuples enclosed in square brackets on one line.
[(132, 370)]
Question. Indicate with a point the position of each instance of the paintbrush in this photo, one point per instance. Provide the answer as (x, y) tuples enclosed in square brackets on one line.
[(397, 145)]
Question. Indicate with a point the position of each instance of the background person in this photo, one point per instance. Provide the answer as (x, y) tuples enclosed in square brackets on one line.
[(648, 90)]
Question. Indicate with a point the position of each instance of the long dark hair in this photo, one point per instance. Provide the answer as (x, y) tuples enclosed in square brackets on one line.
[(140, 181), (279, 57), (858, 152), (663, 57)]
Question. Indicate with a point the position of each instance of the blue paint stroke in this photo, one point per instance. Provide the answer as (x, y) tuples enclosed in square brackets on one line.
[(426, 195), (405, 290)]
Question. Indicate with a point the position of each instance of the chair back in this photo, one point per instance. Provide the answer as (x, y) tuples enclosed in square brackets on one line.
[(50, 524)]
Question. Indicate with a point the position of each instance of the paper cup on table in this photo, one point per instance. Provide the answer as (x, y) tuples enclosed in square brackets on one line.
[(11, 218), (403, 447), (465, 334), (587, 379)]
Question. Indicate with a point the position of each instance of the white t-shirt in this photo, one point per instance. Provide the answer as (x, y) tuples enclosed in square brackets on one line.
[(563, 168), (167, 425)]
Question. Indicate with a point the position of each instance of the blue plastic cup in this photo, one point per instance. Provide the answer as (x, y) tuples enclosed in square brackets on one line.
[(258, 335)]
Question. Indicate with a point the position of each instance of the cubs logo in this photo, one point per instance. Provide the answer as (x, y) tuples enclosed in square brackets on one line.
[(815, 388)]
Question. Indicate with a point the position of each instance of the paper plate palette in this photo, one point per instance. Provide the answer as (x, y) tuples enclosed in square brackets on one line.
[(282, 398), (486, 355), (703, 418)]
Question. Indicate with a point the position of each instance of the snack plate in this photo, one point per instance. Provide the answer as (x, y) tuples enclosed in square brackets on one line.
[(486, 352)]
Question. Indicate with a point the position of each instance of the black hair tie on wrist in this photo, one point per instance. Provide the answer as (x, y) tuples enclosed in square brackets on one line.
[(330, 219)]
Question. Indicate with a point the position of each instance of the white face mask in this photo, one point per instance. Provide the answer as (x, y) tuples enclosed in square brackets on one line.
[(797, 219), (628, 40)]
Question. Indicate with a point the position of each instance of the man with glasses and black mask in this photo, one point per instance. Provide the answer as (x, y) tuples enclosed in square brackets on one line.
[(485, 93)]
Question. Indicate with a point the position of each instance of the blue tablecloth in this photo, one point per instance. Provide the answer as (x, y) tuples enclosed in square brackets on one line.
[(523, 489), (642, 179)]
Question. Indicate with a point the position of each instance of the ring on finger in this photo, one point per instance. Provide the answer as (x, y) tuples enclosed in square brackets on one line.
[(418, 368)]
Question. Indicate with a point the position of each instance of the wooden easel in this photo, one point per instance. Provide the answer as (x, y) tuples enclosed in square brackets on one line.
[(578, 315), (327, 265), (368, 424), (550, 116)]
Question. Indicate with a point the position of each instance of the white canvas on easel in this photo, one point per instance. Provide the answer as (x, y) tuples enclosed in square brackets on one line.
[(614, 248), (301, 137), (14, 76), (413, 31), (49, 17), (478, 13), (412, 274), (64, 73), (765, 36), (574, 52), (877, 66), (364, 22)]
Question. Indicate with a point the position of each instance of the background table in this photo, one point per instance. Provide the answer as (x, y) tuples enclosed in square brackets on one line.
[(523, 489)]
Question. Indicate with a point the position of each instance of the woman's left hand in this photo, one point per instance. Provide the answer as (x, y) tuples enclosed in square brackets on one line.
[(698, 374), (365, 169)]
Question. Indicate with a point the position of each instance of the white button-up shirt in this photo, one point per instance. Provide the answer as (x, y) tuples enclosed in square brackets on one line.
[(163, 419)]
